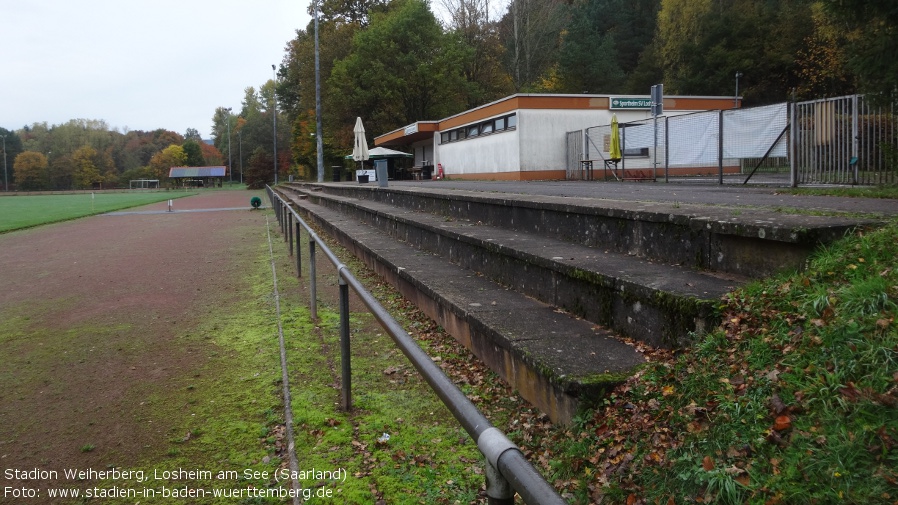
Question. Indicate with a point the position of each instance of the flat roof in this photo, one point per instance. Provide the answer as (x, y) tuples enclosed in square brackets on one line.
[(422, 130), (180, 172)]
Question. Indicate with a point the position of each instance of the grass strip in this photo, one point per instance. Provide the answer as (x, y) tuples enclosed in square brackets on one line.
[(26, 211)]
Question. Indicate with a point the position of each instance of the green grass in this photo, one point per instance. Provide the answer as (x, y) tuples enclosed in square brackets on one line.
[(26, 211), (883, 191), (793, 400)]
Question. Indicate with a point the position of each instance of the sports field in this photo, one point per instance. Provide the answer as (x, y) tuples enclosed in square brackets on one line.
[(17, 212)]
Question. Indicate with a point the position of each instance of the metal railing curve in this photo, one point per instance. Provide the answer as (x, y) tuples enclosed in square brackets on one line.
[(507, 470)]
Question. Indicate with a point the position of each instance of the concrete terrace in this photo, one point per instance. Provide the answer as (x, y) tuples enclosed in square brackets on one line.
[(540, 279)]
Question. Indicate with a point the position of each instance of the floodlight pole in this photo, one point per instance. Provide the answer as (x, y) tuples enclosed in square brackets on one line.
[(240, 152), (5, 176), (318, 136), (230, 172), (274, 119)]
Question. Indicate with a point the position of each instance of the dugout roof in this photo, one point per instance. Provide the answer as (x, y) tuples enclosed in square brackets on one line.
[(193, 172)]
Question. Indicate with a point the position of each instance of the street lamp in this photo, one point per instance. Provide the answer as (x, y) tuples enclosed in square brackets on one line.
[(319, 136), (736, 97), (5, 176), (230, 171), (274, 119)]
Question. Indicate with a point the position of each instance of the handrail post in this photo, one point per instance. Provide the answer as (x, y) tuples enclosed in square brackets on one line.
[(298, 251), (286, 210), (313, 295), (345, 364), (290, 231), (498, 489)]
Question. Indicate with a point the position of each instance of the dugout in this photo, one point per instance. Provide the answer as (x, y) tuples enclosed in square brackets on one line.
[(198, 177)]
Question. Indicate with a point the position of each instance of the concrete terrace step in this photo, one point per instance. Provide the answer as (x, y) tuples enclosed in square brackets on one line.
[(751, 242), (657, 303), (555, 360)]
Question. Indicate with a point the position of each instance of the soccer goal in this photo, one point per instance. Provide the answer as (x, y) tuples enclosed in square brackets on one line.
[(144, 184)]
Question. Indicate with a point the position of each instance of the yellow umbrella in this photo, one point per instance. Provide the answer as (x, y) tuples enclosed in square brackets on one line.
[(614, 151)]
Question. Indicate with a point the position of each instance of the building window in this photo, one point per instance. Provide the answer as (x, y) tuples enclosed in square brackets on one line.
[(496, 125)]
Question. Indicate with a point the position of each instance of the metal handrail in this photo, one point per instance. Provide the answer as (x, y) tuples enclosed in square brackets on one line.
[(507, 470)]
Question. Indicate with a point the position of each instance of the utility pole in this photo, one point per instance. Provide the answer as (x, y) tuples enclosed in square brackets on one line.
[(274, 119), (5, 176), (230, 170)]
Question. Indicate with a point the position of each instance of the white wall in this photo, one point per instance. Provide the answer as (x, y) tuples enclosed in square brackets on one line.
[(538, 143), (486, 154)]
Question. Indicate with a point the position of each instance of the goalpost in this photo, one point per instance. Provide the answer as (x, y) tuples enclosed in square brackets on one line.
[(144, 184)]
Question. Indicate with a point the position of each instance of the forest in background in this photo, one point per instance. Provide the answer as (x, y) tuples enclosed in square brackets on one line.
[(394, 62)]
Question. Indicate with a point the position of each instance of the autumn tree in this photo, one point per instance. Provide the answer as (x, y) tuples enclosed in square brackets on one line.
[(171, 156), (260, 169), (31, 170), (401, 70), (703, 43), (872, 31), (479, 51), (531, 32), (13, 144), (86, 173)]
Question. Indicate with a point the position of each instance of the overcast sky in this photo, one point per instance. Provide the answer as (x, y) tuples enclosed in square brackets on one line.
[(138, 64)]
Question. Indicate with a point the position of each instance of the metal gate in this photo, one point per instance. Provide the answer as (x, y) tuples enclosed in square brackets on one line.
[(843, 140)]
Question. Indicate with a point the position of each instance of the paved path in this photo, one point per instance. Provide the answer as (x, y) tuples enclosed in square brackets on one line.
[(685, 193)]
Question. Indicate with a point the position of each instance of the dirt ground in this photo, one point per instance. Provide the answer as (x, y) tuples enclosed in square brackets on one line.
[(90, 309)]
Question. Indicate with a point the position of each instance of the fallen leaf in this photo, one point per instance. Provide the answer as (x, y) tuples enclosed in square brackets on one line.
[(708, 463), (782, 423)]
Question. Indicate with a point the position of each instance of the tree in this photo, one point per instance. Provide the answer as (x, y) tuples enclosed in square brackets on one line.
[(872, 29), (193, 134), (171, 156), (349, 11), (399, 71), (260, 170), (531, 31), (702, 44), (479, 51), (13, 144), (194, 153), (86, 172), (31, 170)]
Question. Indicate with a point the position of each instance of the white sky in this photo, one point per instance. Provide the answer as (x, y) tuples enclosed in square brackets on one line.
[(138, 64)]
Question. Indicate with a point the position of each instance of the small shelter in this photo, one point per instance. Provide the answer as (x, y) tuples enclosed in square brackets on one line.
[(394, 169), (199, 177)]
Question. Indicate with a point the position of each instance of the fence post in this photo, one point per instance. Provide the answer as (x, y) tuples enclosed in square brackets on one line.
[(720, 147), (313, 295), (298, 252), (346, 389)]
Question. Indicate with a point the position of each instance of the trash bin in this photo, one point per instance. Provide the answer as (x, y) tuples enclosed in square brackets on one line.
[(336, 171), (380, 169), (363, 178)]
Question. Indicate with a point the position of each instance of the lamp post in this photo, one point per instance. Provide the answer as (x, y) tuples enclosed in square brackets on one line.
[(319, 137), (274, 121), (5, 176), (230, 172), (736, 97), (240, 152)]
